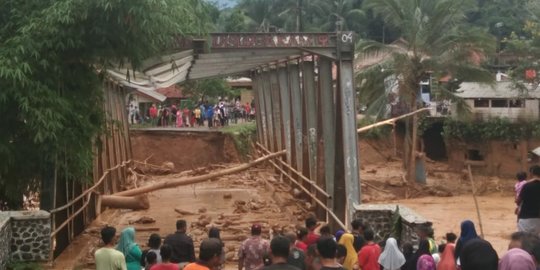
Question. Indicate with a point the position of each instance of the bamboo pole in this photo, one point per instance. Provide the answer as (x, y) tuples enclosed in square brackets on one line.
[(475, 200), (197, 179), (299, 174), (309, 193), (390, 121)]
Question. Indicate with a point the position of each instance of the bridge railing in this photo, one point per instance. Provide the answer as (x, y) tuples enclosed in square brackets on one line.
[(85, 197), (300, 185)]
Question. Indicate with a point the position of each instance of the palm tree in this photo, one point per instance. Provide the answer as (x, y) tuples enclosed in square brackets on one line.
[(435, 41)]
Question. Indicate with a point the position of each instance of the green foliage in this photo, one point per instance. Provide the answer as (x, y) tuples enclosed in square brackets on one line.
[(493, 129), (243, 136), (209, 90), (51, 55)]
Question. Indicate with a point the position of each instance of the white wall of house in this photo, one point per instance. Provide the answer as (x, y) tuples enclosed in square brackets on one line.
[(530, 111)]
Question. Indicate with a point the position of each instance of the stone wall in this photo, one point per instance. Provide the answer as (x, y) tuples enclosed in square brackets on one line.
[(381, 219), (30, 235), (24, 236), (5, 236)]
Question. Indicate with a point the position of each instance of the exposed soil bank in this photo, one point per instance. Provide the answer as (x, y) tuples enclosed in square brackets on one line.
[(186, 149)]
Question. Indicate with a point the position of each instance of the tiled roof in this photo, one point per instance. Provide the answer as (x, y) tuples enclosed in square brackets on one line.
[(172, 91), (497, 90)]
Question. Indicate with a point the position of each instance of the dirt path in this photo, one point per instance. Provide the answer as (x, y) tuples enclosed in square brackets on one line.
[(231, 203), (448, 213)]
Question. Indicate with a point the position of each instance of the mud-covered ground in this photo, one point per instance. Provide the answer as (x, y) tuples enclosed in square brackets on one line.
[(234, 202)]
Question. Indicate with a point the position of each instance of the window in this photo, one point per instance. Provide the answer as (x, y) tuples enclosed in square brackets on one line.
[(474, 154), (516, 103), (481, 103), (499, 103)]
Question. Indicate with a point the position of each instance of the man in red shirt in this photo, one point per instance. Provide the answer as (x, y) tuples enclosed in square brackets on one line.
[(368, 257), (301, 236), (153, 114), (312, 237)]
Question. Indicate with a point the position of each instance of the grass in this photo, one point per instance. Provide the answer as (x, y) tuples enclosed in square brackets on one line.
[(242, 135)]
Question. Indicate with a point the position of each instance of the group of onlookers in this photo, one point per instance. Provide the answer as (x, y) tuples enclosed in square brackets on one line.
[(308, 250), (216, 115), (176, 252)]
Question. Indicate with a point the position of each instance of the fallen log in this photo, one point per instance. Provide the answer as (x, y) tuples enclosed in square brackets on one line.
[(183, 212), (147, 229), (197, 179), (135, 203)]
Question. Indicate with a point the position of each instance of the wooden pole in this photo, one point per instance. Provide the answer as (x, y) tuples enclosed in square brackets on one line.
[(197, 179), (390, 121), (475, 200)]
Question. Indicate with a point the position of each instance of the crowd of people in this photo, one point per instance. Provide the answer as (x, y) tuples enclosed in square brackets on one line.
[(203, 114), (315, 247), (308, 250)]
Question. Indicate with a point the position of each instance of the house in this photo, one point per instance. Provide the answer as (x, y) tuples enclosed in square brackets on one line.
[(173, 94), (502, 99), (245, 85)]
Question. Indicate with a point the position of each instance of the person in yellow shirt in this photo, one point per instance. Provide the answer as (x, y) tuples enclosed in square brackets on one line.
[(107, 257), (197, 113)]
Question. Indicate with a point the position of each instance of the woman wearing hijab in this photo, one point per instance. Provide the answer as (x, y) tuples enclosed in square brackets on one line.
[(338, 235), (351, 259), (423, 249), (517, 259), (448, 259), (425, 260), (391, 258), (130, 249), (468, 232), (214, 233)]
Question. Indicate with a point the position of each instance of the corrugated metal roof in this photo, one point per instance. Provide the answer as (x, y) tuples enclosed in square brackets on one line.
[(497, 90)]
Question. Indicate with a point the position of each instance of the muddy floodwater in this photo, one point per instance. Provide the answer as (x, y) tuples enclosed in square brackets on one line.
[(497, 214)]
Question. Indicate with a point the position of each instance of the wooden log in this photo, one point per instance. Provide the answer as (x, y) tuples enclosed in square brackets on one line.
[(147, 229), (135, 203), (183, 212), (197, 179)]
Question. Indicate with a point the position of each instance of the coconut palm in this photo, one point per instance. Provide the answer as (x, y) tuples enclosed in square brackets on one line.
[(435, 41)]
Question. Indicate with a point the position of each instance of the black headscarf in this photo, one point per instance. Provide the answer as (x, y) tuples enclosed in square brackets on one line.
[(468, 232), (478, 254), (423, 249)]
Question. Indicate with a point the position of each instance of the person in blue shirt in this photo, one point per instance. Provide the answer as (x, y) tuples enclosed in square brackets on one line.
[(210, 114)]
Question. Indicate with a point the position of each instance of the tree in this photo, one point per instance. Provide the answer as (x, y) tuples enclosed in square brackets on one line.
[(209, 90), (435, 41), (52, 57)]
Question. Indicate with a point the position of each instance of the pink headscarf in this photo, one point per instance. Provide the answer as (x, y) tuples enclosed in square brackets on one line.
[(517, 259)]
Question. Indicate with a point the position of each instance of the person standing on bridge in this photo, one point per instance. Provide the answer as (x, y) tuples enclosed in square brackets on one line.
[(209, 115), (153, 113), (183, 250), (108, 258), (252, 250), (130, 249)]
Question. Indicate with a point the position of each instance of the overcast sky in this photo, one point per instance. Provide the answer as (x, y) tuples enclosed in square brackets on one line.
[(226, 3)]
